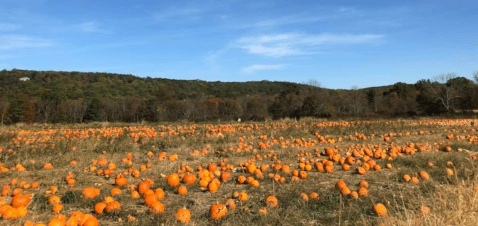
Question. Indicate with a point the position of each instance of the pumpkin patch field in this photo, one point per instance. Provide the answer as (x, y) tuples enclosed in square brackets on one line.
[(306, 172)]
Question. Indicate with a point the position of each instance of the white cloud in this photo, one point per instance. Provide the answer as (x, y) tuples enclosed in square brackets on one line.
[(89, 27), (287, 44), (8, 27), (346, 9), (260, 67), (294, 19), (8, 57), (8, 42), (175, 13)]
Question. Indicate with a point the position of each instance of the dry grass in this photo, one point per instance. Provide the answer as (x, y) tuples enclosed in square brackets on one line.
[(451, 199)]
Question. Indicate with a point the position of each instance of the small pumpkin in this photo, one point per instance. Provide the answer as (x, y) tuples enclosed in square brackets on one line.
[(424, 209), (90, 192), (115, 192), (20, 200), (156, 207), (231, 204), (217, 211), (183, 215), (57, 208), (363, 184), (303, 175), (362, 192), (92, 221), (340, 184), (345, 191), (54, 199), (354, 194), (212, 187), (120, 180), (150, 199), (135, 195), (100, 207), (113, 206), (143, 186), (189, 179), (304, 196), (424, 175), (243, 196), (159, 192), (271, 201), (182, 190), (449, 172), (415, 180), (314, 195), (361, 170), (173, 180), (226, 176), (263, 211), (380, 209)]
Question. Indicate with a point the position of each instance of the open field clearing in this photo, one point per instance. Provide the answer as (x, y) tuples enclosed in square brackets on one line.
[(310, 172)]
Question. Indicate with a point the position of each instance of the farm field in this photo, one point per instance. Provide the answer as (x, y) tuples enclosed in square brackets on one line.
[(307, 172)]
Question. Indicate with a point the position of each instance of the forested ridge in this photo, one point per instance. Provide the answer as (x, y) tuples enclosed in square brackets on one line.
[(76, 97)]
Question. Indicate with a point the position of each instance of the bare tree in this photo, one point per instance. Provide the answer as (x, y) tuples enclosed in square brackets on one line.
[(312, 82), (4, 105), (357, 100), (188, 108), (74, 110), (443, 91), (475, 76), (45, 108)]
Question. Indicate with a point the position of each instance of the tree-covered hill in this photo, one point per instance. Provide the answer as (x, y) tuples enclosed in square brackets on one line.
[(88, 85), (56, 96)]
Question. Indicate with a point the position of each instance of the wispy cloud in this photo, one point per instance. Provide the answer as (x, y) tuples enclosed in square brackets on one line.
[(89, 27), (347, 15), (341, 13), (347, 9), (280, 45), (8, 57), (9, 42), (8, 27), (261, 67), (176, 13), (287, 20)]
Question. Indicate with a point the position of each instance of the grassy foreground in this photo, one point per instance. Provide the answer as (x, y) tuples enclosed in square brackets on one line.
[(37, 157)]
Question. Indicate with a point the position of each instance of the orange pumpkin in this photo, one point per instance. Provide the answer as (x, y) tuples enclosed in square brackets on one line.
[(380, 209), (156, 207), (112, 206), (100, 207), (424, 175), (217, 211), (150, 199), (189, 179), (20, 200), (120, 180), (182, 190), (90, 192), (231, 204), (143, 186), (173, 180), (115, 192), (183, 215), (271, 201)]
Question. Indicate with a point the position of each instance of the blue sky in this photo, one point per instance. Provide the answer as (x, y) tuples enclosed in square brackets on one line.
[(338, 43)]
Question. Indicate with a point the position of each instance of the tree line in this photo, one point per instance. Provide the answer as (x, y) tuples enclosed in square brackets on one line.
[(77, 97)]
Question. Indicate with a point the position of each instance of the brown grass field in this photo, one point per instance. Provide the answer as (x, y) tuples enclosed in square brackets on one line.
[(219, 154)]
